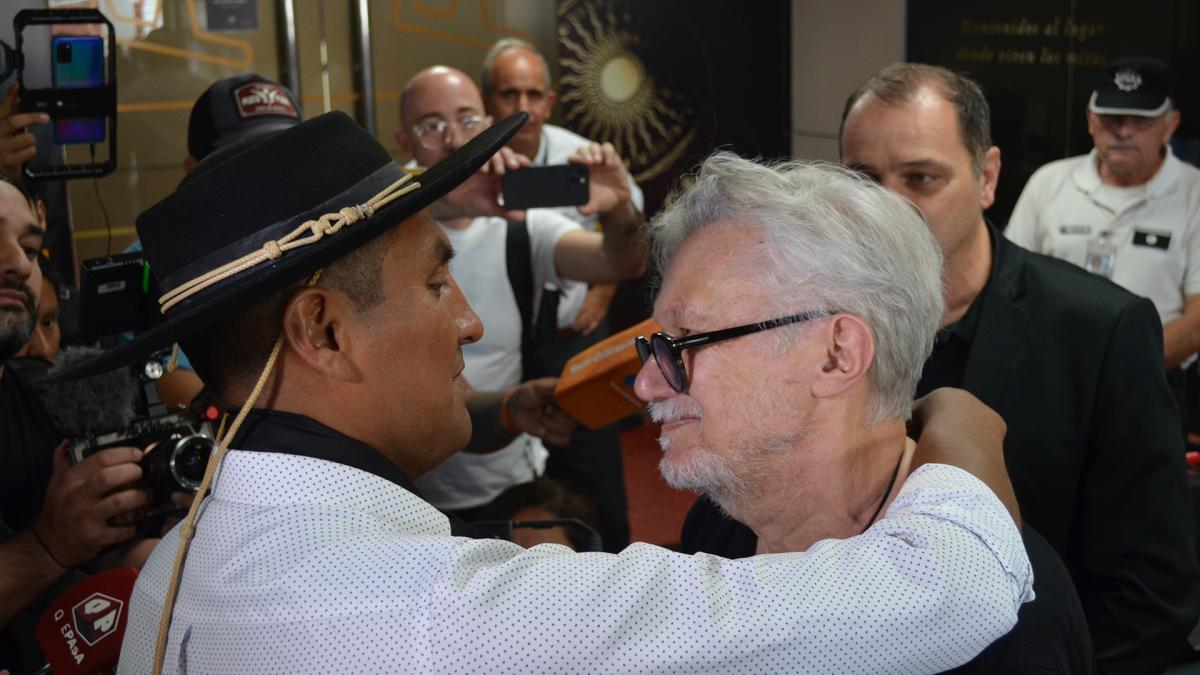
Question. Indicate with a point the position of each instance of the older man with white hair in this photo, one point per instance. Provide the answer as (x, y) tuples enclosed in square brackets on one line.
[(801, 437), (799, 303)]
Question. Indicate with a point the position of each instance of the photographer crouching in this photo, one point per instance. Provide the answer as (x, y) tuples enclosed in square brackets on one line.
[(54, 517)]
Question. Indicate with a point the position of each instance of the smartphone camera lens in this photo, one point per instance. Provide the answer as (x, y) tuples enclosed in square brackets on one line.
[(64, 52)]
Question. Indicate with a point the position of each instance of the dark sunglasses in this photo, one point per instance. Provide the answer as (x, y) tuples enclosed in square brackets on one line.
[(668, 351)]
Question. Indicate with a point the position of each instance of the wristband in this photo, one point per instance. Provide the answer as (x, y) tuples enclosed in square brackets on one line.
[(33, 531), (506, 417)]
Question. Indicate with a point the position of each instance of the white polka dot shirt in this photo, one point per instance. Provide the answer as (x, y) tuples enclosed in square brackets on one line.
[(304, 565)]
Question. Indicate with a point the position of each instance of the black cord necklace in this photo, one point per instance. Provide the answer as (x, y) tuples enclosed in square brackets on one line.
[(886, 493)]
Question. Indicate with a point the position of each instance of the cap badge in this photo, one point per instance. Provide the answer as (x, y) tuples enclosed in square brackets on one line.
[(263, 98), (1127, 79)]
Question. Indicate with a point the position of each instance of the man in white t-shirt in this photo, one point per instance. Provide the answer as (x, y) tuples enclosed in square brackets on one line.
[(1128, 210), (516, 78), (441, 109)]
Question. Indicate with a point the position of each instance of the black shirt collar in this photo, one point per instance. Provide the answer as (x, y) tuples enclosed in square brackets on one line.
[(289, 433), (292, 434)]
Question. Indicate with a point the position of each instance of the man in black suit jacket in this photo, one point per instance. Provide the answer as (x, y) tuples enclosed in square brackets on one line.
[(1072, 363)]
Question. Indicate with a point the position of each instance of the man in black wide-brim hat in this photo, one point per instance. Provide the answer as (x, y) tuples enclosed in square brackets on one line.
[(303, 276)]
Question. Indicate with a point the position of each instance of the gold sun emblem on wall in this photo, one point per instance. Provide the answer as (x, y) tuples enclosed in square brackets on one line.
[(614, 88)]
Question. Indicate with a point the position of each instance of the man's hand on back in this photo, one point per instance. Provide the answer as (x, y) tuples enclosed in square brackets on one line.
[(953, 427)]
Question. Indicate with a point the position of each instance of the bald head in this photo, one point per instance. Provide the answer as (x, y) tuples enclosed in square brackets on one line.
[(434, 81), (438, 95)]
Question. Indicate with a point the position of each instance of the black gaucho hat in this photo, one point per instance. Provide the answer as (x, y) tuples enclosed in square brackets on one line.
[(266, 212)]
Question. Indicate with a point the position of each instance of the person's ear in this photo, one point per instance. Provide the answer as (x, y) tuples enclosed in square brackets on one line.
[(1093, 123), (989, 176), (1172, 122), (402, 142), (849, 353), (315, 330), (551, 99), (189, 163)]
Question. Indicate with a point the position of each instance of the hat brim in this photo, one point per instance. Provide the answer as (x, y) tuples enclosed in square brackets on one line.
[(244, 289), (1136, 103)]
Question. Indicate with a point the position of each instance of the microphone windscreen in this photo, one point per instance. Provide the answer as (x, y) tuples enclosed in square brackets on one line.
[(596, 385), (82, 630), (89, 405)]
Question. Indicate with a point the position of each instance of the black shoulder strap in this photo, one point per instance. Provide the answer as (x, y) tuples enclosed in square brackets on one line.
[(519, 259)]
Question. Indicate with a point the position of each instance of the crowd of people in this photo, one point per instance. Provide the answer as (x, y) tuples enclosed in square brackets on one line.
[(368, 331)]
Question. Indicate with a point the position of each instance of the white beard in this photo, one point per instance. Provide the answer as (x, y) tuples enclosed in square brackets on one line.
[(704, 471), (726, 478)]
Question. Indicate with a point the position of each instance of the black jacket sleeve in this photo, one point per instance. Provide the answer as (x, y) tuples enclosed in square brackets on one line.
[(1137, 573)]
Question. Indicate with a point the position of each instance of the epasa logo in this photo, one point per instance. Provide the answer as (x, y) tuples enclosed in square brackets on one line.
[(92, 620), (97, 617)]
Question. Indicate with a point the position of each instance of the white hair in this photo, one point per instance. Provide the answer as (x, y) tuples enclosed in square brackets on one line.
[(834, 240)]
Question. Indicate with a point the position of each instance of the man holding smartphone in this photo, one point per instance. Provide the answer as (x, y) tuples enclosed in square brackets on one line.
[(441, 109), (516, 78)]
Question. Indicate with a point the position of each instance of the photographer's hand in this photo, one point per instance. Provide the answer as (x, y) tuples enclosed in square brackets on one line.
[(73, 524), (479, 195), (608, 182), (17, 145), (183, 502), (135, 552)]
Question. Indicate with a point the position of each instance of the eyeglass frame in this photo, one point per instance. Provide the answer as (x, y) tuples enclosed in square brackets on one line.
[(482, 122), (675, 346)]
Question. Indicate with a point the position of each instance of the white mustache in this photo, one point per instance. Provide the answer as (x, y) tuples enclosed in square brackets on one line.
[(673, 409)]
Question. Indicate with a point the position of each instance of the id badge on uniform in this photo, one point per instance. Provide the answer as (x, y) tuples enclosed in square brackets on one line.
[(1101, 254)]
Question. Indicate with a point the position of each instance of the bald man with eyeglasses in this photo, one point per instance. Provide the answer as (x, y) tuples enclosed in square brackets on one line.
[(440, 110)]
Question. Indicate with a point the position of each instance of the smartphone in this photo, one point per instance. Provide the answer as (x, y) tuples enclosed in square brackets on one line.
[(78, 64), (544, 186)]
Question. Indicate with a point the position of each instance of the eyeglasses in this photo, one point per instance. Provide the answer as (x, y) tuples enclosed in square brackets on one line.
[(668, 351), (436, 133)]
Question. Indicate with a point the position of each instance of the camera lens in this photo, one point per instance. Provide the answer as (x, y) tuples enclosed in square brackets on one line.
[(63, 53), (189, 459)]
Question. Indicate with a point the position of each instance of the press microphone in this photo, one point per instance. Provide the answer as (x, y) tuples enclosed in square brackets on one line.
[(81, 632), (89, 405), (596, 385)]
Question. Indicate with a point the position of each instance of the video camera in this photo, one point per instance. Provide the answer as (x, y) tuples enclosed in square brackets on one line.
[(176, 446), (122, 408)]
